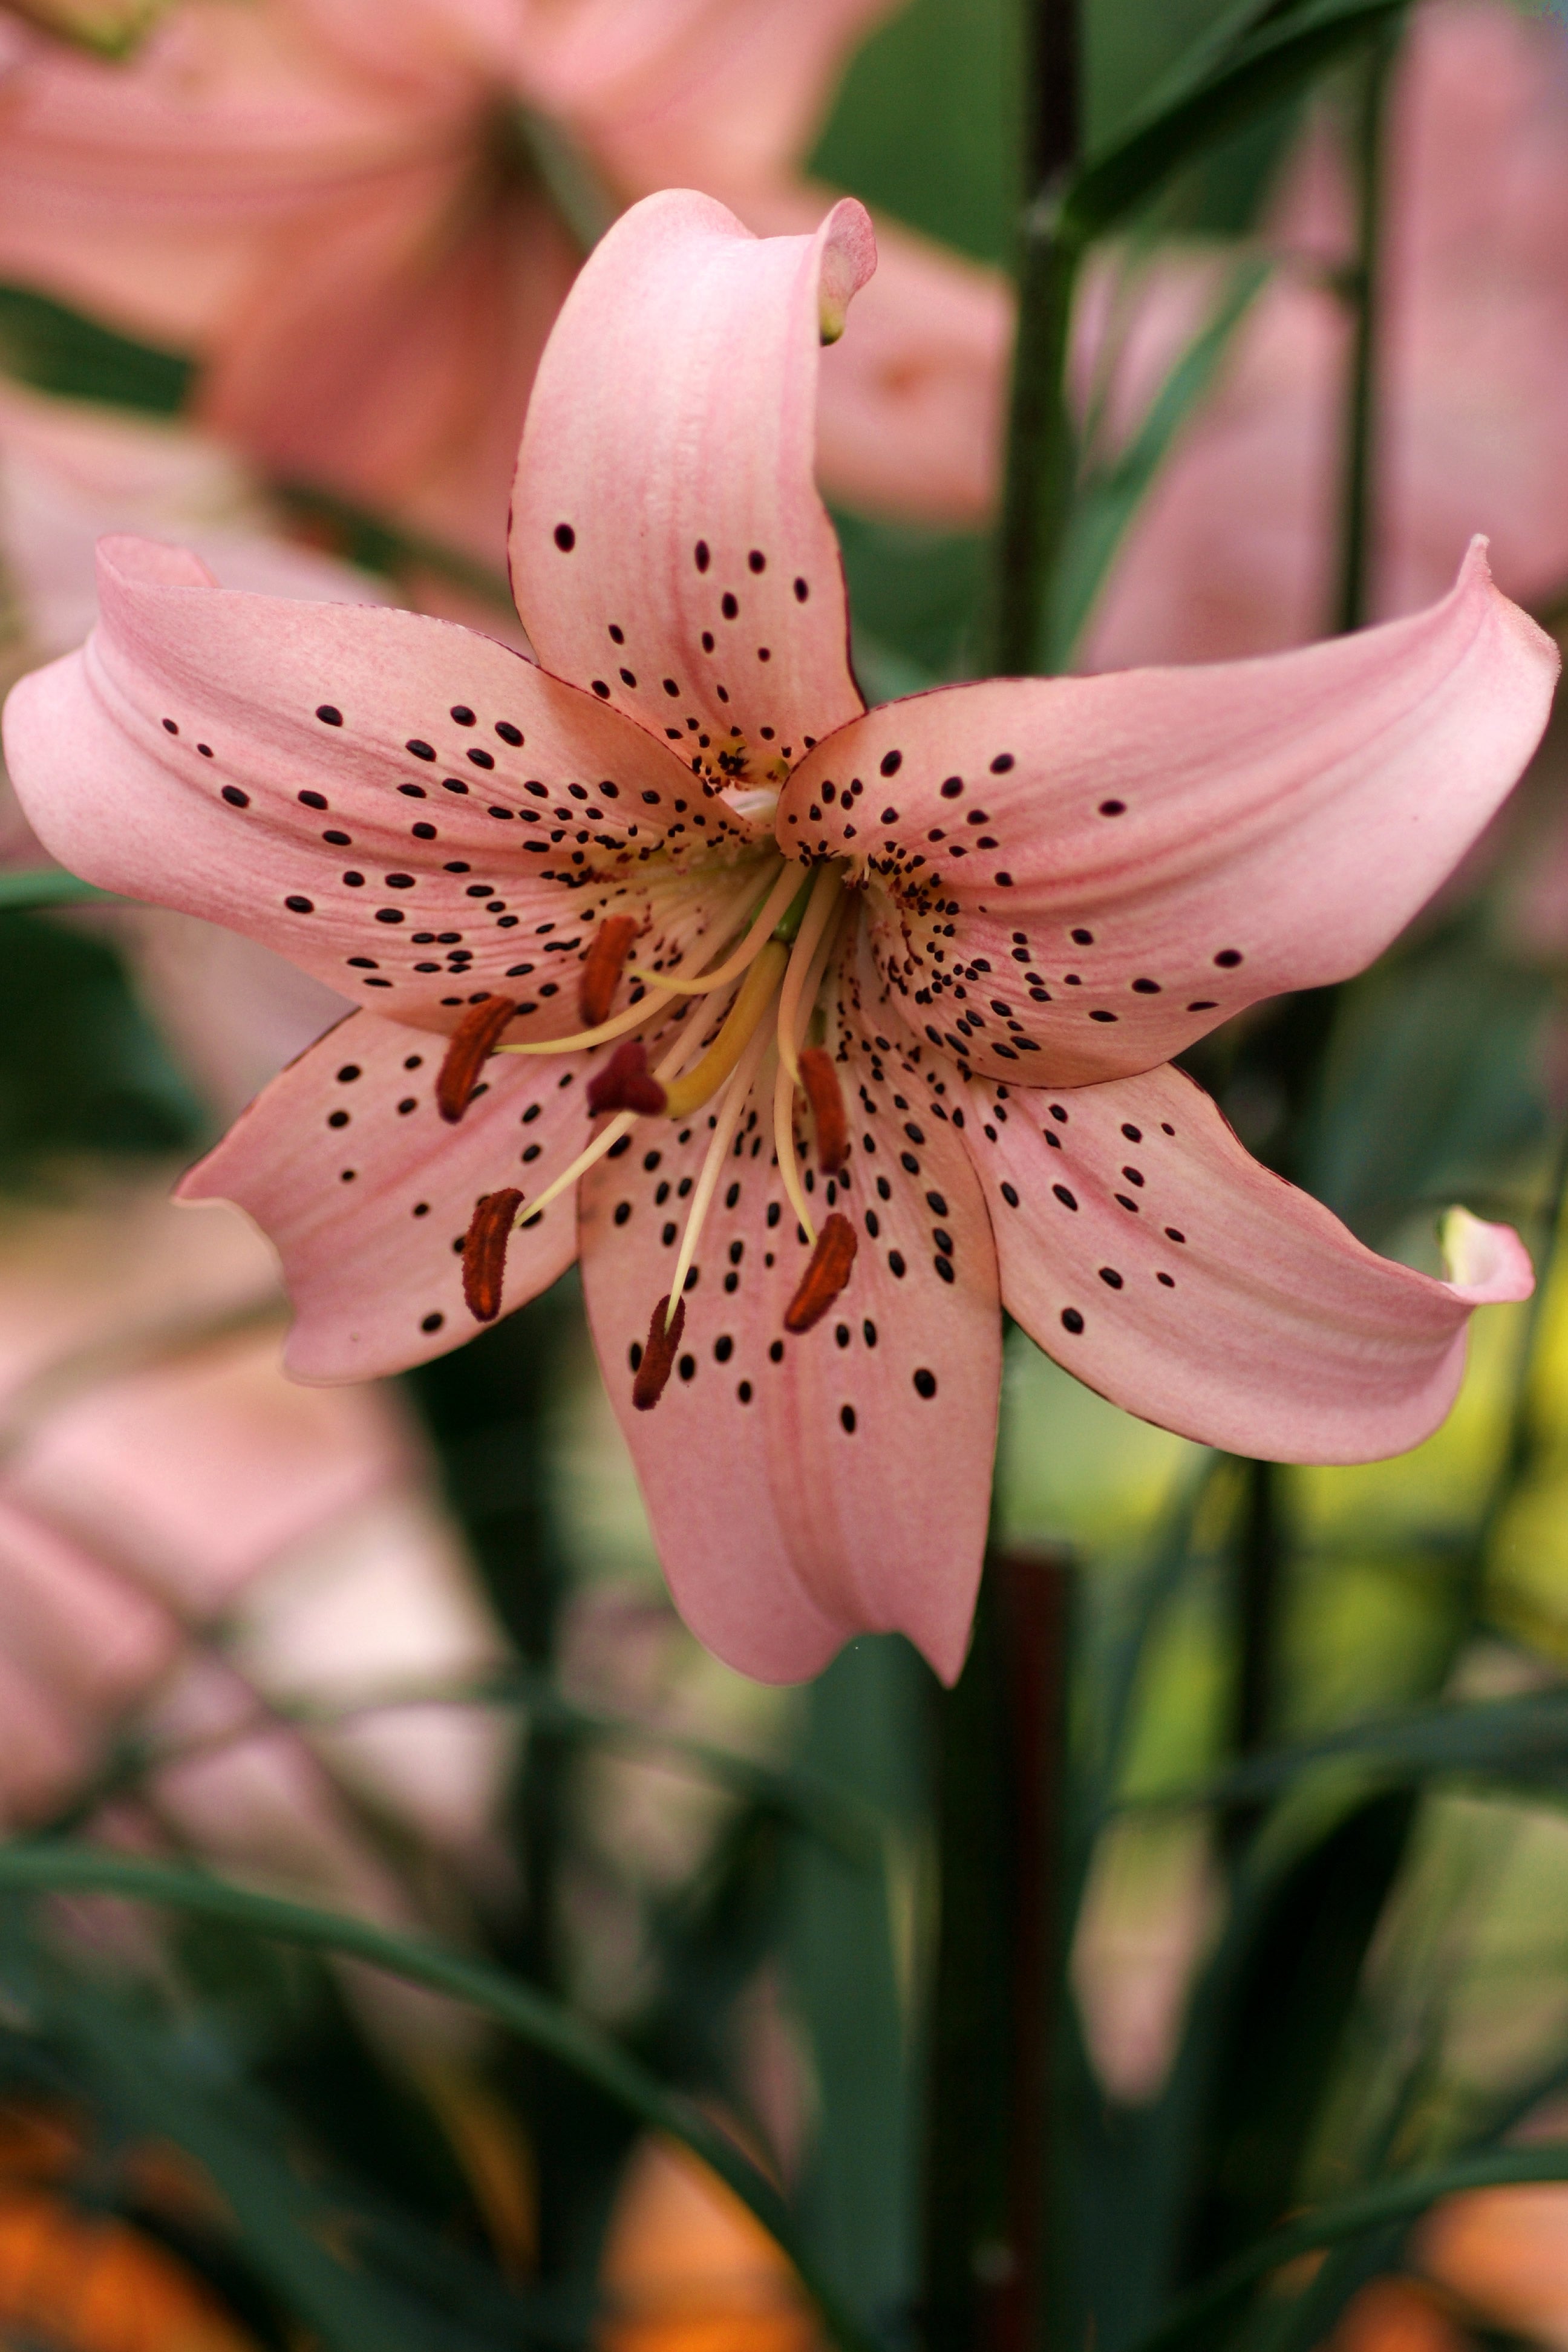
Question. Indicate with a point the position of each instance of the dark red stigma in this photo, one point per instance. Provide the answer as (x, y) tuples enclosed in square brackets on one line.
[(625, 1082)]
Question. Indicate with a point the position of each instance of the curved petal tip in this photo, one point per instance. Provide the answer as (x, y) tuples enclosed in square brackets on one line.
[(123, 555), (1486, 1264), (846, 244)]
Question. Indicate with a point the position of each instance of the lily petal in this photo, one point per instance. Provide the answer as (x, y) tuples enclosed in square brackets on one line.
[(1144, 1249), (804, 1490), (667, 537), (345, 1164), (391, 801), (1089, 873)]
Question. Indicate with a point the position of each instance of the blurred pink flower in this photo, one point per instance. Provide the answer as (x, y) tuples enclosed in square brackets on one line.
[(189, 1540), (1244, 830), (1235, 550), (329, 201)]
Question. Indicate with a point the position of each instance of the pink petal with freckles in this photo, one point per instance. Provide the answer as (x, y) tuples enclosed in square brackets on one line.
[(784, 1529), (665, 484), (1146, 1251), (1126, 861), (104, 749), (910, 403), (346, 1165)]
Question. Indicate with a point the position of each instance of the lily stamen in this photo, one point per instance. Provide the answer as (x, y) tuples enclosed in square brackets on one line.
[(825, 1276), (484, 1252), (601, 967), (652, 1374), (736, 1095), (784, 1153), (822, 907), (635, 1017), (784, 889), (829, 1115), (468, 1049)]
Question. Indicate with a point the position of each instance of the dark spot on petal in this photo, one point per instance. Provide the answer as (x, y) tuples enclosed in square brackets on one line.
[(328, 715), (565, 538), (1071, 1320)]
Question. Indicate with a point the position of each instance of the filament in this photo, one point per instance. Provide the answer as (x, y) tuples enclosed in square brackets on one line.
[(825, 895), (784, 888), (744, 1019), (734, 1104), (622, 1124), (632, 1018), (783, 1149)]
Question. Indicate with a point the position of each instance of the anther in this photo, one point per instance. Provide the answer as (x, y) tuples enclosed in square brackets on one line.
[(467, 1050), (822, 1091), (825, 1277), (625, 1082), (484, 1252), (603, 966), (659, 1356)]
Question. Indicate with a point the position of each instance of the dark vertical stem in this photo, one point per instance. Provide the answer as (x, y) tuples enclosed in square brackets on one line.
[(1359, 495), (990, 2249), (1037, 489), (1259, 1557)]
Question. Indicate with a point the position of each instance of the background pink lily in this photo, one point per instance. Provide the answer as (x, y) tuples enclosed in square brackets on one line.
[(329, 203), (1234, 551), (1028, 895)]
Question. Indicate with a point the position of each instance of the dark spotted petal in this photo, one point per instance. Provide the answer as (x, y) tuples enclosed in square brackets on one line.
[(1144, 1249), (296, 771), (1075, 878), (668, 548), (345, 1163), (854, 1461)]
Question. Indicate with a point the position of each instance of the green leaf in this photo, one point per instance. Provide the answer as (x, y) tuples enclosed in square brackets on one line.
[(1106, 500), (58, 349), (48, 885), (1199, 2316), (1521, 1738), (1213, 94), (533, 2016)]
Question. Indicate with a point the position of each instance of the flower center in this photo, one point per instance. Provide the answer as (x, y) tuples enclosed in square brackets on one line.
[(776, 973)]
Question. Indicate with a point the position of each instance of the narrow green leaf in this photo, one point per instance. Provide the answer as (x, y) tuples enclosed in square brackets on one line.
[(1198, 2316), (48, 885), (1523, 1735), (1105, 503), (1266, 65), (533, 2016), (58, 349)]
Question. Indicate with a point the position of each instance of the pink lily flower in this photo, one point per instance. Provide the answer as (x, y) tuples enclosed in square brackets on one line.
[(677, 868), (1234, 551), (325, 202)]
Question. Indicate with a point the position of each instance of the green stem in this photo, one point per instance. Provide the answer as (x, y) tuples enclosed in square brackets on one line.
[(1037, 496), (1036, 500), (1359, 509), (534, 2017)]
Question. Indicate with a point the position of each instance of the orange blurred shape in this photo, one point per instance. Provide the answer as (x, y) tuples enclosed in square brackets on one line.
[(1505, 2252), (687, 2268), (88, 2282), (1396, 2314)]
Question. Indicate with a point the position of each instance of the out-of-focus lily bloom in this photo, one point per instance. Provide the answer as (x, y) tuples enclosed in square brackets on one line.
[(1235, 552), (329, 203), (687, 2269), (189, 1542), (679, 875)]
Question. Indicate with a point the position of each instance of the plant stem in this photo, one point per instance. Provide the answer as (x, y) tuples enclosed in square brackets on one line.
[(1359, 508), (990, 2251), (1037, 489)]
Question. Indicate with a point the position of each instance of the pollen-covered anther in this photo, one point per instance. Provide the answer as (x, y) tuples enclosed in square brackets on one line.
[(625, 1082), (827, 1112), (652, 1374), (603, 966), (469, 1048), (484, 1252), (825, 1276)]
